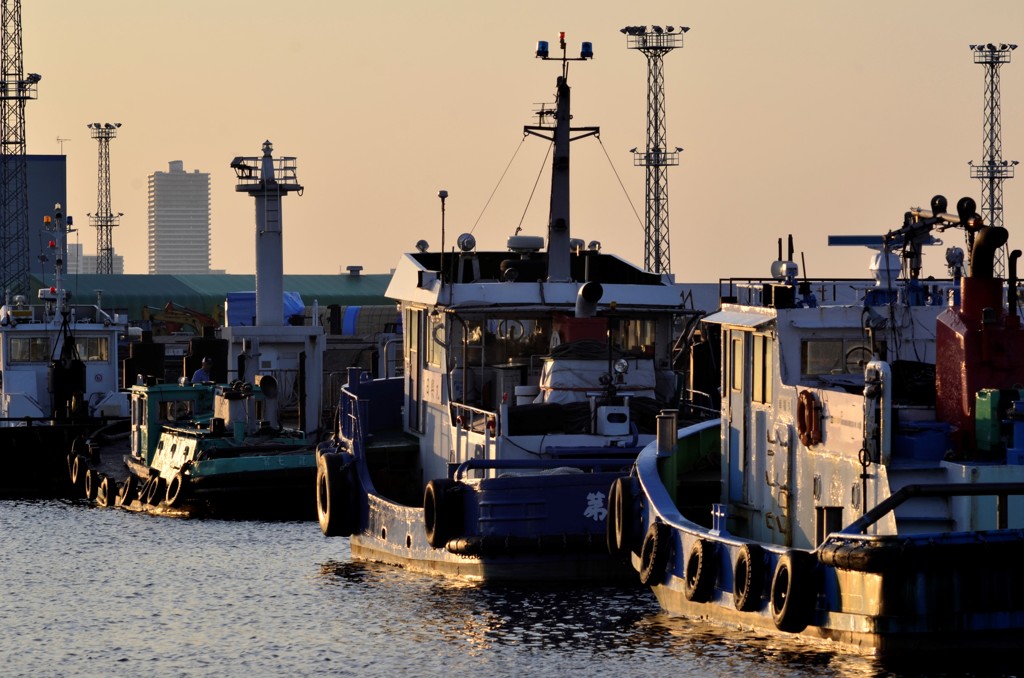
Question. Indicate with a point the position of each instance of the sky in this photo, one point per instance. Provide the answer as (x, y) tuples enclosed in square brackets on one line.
[(803, 117)]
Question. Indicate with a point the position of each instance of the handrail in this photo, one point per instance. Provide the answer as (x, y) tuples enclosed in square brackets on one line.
[(1000, 490), (509, 464)]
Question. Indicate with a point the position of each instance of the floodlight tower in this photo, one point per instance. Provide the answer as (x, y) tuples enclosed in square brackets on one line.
[(16, 90), (992, 170), (655, 42), (268, 179), (104, 220)]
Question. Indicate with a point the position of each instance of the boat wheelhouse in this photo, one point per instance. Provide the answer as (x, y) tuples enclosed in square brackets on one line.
[(863, 482), (58, 379), (532, 377)]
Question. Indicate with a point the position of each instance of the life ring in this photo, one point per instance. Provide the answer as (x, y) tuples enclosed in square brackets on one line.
[(442, 512), (654, 553), (699, 583), (92, 484), (619, 529), (335, 496), (748, 577), (126, 493), (106, 495), (792, 593), (808, 418), (176, 490)]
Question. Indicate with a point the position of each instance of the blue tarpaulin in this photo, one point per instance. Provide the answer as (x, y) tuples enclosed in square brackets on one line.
[(241, 307)]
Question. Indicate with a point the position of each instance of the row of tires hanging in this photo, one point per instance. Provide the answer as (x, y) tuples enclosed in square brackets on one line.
[(106, 491), (790, 591)]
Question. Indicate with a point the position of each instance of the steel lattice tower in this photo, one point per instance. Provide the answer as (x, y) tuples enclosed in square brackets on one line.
[(104, 219), (14, 245), (655, 42), (992, 170)]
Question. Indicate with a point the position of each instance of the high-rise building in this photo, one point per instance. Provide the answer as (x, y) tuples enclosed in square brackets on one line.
[(179, 221), (79, 262)]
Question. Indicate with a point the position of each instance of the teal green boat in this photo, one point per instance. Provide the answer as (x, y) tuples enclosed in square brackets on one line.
[(217, 449)]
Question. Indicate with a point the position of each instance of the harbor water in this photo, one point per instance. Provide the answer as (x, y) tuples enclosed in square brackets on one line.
[(104, 592)]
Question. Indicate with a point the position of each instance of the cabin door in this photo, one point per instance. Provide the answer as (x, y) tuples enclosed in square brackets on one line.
[(737, 387)]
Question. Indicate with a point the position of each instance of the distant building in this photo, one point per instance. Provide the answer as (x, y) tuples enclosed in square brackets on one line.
[(179, 221), (78, 262)]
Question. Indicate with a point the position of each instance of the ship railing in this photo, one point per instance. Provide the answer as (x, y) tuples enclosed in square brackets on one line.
[(357, 419), (470, 423), (751, 291), (535, 465), (1001, 491)]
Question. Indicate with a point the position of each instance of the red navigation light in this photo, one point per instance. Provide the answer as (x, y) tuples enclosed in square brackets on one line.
[(53, 243)]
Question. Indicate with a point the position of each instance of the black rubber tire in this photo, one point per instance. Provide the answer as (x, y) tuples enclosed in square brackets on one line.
[(620, 533), (748, 578), (793, 591), (442, 512), (701, 570), (127, 493), (177, 490), (92, 484), (106, 495), (155, 491), (654, 553), (79, 467), (336, 506)]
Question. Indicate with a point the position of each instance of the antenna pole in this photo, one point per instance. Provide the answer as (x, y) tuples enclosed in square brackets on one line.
[(443, 195), (993, 170), (655, 42)]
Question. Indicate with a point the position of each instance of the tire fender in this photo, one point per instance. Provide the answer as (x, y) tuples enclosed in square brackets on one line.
[(793, 591), (620, 533), (335, 495), (654, 553), (442, 512), (699, 584), (748, 578)]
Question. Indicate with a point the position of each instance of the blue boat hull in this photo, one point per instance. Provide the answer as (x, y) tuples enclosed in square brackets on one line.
[(887, 595), (547, 528)]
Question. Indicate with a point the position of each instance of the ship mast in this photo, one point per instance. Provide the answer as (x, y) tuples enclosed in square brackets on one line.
[(561, 135)]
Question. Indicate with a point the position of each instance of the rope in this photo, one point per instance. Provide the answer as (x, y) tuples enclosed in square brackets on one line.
[(537, 181), (610, 164), (521, 142)]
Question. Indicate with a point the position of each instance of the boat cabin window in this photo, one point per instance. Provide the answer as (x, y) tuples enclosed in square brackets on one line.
[(762, 386), (435, 341), (737, 361), (636, 336), (173, 410), (835, 356), (96, 349), (30, 349)]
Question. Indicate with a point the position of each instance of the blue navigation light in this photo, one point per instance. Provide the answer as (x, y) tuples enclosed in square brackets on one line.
[(542, 49), (587, 50)]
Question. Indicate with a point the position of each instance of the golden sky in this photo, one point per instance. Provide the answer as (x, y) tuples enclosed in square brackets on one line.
[(809, 117)]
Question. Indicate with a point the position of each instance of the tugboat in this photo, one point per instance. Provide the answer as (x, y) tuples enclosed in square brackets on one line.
[(531, 379), (219, 447), (58, 379), (863, 483), (214, 449)]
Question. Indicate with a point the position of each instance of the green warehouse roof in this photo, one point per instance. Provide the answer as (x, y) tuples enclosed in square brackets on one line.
[(130, 293)]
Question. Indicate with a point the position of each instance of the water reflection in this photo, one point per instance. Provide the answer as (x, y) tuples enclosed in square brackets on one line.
[(605, 624)]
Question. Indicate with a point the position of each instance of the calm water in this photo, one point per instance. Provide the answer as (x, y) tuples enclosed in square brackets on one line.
[(90, 592)]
